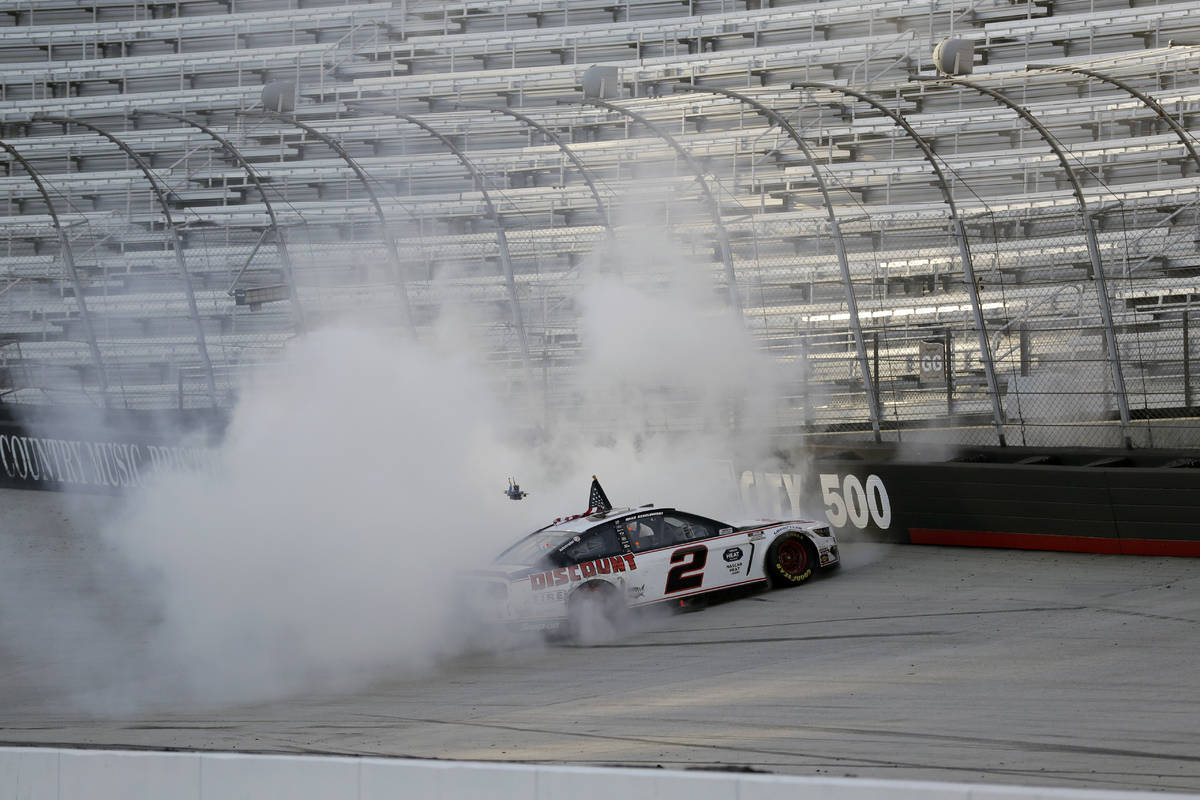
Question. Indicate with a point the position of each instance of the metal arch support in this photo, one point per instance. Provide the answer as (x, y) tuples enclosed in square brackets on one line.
[(69, 259), (960, 235), (389, 240), (1184, 137), (722, 235), (1089, 228), (566, 150), (501, 237), (193, 309), (289, 272), (838, 243)]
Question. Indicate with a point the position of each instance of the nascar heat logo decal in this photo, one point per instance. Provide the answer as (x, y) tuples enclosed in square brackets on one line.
[(581, 572)]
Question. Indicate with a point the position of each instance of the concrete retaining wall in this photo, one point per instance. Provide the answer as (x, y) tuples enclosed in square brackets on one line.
[(1093, 509), (65, 774)]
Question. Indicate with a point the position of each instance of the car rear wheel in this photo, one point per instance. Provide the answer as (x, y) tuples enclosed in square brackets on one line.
[(790, 559), (595, 614)]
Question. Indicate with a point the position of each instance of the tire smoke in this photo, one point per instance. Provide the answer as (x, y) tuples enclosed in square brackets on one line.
[(364, 472)]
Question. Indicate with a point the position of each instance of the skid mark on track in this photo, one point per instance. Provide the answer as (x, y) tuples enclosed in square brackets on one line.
[(183, 726), (1131, 780), (160, 748), (1165, 584), (826, 620), (827, 760), (1011, 744), (654, 742), (770, 639), (1147, 615)]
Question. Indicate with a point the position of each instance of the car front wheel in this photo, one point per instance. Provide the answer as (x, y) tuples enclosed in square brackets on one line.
[(790, 559), (595, 614)]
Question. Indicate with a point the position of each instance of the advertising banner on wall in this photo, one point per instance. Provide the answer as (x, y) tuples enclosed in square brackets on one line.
[(96, 452), (1089, 509)]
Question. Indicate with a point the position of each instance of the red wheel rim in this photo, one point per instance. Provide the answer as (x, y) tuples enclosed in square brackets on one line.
[(793, 558)]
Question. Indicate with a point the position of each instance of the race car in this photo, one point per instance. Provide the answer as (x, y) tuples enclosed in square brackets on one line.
[(596, 566)]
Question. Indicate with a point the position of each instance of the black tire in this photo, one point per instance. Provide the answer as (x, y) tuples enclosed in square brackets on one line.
[(595, 614), (791, 559)]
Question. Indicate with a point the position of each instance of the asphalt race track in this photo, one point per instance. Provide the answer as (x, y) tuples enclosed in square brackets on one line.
[(908, 663)]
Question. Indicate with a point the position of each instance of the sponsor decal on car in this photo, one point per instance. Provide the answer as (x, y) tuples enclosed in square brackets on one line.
[(581, 572), (734, 559), (537, 625)]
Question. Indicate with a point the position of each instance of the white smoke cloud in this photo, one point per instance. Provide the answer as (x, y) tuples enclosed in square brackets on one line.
[(355, 479), (362, 474), (673, 387)]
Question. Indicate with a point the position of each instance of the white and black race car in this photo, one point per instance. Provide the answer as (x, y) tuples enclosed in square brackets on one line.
[(600, 564)]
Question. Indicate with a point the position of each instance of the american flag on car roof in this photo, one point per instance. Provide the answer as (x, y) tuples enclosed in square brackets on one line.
[(597, 499)]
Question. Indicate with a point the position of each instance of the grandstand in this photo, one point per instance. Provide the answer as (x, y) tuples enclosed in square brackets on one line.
[(1006, 256)]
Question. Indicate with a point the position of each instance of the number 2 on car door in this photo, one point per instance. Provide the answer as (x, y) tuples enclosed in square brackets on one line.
[(689, 570)]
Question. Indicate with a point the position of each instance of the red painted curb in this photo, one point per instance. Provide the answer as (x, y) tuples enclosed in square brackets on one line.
[(1069, 544)]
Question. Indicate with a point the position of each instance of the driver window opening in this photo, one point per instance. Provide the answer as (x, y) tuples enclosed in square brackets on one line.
[(645, 534), (680, 530), (596, 543)]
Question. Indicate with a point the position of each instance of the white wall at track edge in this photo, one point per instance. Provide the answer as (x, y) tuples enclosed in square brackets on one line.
[(29, 773)]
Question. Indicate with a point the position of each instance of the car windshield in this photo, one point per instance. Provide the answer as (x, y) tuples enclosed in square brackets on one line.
[(534, 547)]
